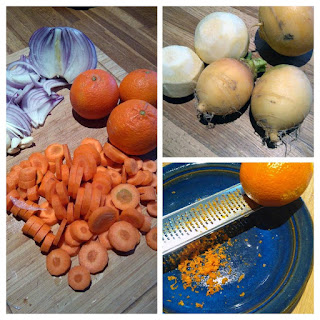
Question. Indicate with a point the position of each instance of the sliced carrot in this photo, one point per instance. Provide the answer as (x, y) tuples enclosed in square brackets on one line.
[(22, 192), (115, 177), (35, 227), (49, 175), (52, 167), (137, 179), (77, 182), (60, 231), (28, 174), (42, 232), (33, 194), (59, 209), (116, 167), (48, 215), (105, 161), (152, 208), (139, 208), (102, 219), (79, 230), (12, 194), (29, 223), (139, 162), (72, 251), (102, 169), (149, 165), (94, 142), (93, 256), (15, 168), (58, 262), (123, 175), (113, 153), (67, 155), (62, 192), (12, 180), (25, 163), (147, 193), (47, 242), (15, 209), (103, 175), (39, 176), (146, 224), (95, 201), (65, 174), (132, 216), (122, 236), (131, 166), (79, 278), (39, 161), (103, 200), (72, 178), (154, 181), (30, 213), (151, 238), (78, 203), (58, 164), (88, 149), (103, 185), (88, 163), (148, 178), (26, 184), (69, 240), (54, 151), (50, 189), (86, 199), (70, 212), (125, 196), (104, 240)]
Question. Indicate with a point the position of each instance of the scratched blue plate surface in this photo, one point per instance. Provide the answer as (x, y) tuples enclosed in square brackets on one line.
[(273, 248)]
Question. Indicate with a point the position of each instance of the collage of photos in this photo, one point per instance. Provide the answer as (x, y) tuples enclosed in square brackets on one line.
[(88, 166)]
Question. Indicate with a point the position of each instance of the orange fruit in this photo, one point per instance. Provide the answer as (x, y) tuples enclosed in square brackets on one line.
[(275, 184), (139, 84), (94, 93), (132, 127)]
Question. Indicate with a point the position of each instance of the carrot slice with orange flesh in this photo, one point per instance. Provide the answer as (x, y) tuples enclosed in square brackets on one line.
[(47, 242), (79, 278), (15, 210), (123, 175), (132, 216), (139, 162), (58, 208), (72, 178), (113, 153), (60, 231), (52, 167), (122, 236), (103, 200), (152, 208), (62, 192), (147, 193), (32, 193), (79, 230), (58, 262), (149, 165), (54, 151), (39, 176), (72, 251), (102, 219), (103, 175), (48, 216), (11, 182), (116, 167), (65, 174), (35, 227), (67, 155), (42, 232), (25, 163), (94, 142), (154, 181), (39, 161), (78, 204), (93, 256), (146, 224), (70, 212), (26, 184), (104, 240), (86, 199), (88, 163), (151, 238), (125, 196), (105, 161), (77, 182), (148, 178), (50, 189), (49, 175), (58, 164), (131, 166), (88, 149), (12, 194), (15, 168), (95, 201), (29, 223), (115, 177), (103, 185), (69, 239), (102, 169), (28, 174), (137, 179)]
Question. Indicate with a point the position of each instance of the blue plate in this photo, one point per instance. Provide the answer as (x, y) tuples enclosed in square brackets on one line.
[(273, 248)]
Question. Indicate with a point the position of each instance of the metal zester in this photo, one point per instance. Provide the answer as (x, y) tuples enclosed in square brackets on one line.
[(205, 216)]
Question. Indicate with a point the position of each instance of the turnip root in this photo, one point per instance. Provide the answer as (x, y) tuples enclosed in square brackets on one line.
[(281, 100), (181, 70), (221, 35), (226, 85), (287, 30)]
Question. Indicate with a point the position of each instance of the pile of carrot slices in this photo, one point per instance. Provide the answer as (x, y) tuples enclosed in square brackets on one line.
[(97, 199)]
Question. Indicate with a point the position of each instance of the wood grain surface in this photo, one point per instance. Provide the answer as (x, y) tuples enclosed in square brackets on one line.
[(237, 135), (306, 303), (129, 283)]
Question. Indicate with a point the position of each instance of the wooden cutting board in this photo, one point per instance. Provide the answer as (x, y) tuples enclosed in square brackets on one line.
[(185, 136), (128, 284)]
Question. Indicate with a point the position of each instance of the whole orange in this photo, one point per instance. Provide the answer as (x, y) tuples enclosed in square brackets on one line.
[(94, 93), (140, 84), (275, 184), (132, 127)]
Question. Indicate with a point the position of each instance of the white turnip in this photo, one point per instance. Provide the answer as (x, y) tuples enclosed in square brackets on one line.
[(181, 70), (226, 85), (281, 100), (287, 30), (221, 35)]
